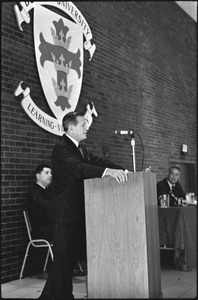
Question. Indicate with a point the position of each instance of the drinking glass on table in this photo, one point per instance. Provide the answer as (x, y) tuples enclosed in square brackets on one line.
[(164, 200)]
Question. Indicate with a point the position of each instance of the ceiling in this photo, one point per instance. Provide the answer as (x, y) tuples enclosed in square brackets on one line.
[(190, 7)]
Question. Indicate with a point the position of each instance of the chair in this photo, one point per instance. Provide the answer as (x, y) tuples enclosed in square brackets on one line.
[(38, 243)]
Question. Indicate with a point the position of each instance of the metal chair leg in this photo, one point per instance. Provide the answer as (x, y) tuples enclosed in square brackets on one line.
[(24, 260), (47, 257), (46, 260), (80, 267), (52, 256)]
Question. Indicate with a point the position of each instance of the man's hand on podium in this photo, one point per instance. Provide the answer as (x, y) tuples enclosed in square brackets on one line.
[(119, 175)]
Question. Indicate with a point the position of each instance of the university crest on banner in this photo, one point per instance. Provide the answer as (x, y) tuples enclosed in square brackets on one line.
[(58, 44)]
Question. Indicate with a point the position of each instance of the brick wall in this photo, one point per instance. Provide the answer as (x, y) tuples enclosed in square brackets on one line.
[(142, 77)]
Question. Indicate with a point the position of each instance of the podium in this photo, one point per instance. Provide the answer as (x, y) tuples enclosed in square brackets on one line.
[(123, 258)]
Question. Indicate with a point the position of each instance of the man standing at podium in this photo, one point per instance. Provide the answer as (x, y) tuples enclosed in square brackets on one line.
[(71, 164)]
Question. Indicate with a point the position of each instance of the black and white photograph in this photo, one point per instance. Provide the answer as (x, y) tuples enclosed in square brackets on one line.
[(99, 150)]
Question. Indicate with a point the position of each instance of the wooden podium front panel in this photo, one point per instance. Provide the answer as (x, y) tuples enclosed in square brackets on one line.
[(116, 238), (152, 235)]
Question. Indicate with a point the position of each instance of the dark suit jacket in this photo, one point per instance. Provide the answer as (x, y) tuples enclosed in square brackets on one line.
[(163, 188), (69, 169), (37, 205)]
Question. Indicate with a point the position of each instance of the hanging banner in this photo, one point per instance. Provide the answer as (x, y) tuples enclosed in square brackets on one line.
[(58, 45)]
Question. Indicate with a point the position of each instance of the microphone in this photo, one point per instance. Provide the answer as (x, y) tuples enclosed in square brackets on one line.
[(123, 132)]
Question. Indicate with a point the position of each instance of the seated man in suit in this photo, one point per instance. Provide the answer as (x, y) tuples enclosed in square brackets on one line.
[(170, 185), (38, 201)]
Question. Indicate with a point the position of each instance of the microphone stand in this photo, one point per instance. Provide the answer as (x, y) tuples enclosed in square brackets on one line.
[(133, 151)]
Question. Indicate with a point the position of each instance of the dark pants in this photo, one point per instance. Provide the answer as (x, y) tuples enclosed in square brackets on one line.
[(65, 249)]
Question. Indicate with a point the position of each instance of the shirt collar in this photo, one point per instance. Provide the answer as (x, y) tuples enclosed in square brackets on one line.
[(41, 185), (73, 140), (170, 184)]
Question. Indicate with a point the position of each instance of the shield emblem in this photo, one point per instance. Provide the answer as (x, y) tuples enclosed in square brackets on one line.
[(58, 44)]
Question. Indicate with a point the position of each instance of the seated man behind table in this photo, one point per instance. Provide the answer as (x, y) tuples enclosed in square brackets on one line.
[(38, 200), (170, 185)]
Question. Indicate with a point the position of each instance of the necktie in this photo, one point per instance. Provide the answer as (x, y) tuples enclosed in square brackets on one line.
[(173, 188), (81, 151)]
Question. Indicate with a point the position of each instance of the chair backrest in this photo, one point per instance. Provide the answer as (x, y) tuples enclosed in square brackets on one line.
[(27, 223)]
